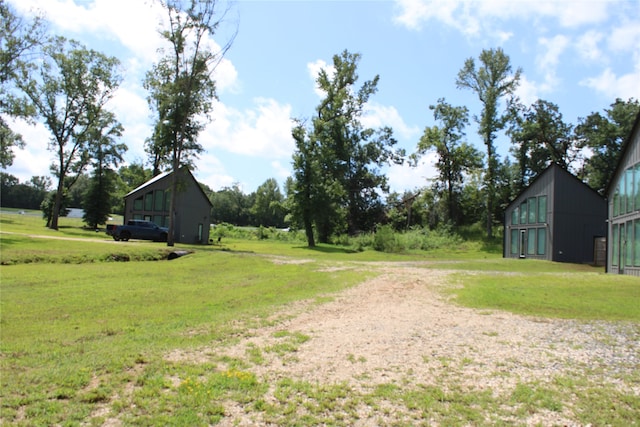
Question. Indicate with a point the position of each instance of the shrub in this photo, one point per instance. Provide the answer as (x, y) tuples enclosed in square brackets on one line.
[(385, 240)]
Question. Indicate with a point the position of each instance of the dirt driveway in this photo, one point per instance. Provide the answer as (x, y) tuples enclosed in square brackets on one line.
[(399, 329)]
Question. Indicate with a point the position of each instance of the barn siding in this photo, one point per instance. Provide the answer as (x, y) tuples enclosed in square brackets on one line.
[(619, 243), (575, 216), (192, 222)]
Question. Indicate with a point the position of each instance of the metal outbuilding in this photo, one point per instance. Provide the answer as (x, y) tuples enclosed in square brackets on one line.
[(556, 218), (151, 202), (623, 209)]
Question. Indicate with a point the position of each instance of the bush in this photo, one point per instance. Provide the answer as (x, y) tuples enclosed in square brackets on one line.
[(385, 240), (253, 233)]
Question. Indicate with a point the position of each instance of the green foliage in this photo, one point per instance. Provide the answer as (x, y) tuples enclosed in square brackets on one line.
[(539, 137), (605, 135), (97, 205), (69, 89), (48, 205), (181, 87), (28, 195), (385, 240), (232, 206), (225, 231), (106, 153), (455, 157), (492, 80), (337, 161), (20, 39), (268, 207)]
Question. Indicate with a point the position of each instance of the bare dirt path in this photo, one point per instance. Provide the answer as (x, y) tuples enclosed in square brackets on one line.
[(399, 329)]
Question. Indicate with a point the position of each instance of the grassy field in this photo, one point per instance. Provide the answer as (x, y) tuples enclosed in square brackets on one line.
[(84, 334)]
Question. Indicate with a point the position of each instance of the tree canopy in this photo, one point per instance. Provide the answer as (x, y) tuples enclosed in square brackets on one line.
[(604, 135), (455, 157), (337, 161), (69, 90), (491, 80), (19, 41)]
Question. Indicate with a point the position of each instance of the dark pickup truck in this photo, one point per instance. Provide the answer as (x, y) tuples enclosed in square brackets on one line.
[(138, 229)]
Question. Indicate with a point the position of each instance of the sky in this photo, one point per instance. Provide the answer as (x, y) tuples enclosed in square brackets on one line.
[(578, 54)]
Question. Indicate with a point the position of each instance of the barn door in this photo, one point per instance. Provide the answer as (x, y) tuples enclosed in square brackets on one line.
[(523, 243)]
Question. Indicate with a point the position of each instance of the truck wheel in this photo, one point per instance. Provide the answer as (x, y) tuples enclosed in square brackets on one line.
[(124, 236), (116, 238)]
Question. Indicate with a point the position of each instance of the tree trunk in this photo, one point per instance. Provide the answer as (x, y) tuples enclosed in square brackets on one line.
[(56, 205), (172, 206), (490, 190), (308, 229)]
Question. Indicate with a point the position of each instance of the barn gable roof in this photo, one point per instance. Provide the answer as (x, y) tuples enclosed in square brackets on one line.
[(166, 175)]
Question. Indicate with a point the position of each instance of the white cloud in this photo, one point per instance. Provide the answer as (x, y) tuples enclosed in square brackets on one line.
[(212, 172), (377, 115), (553, 49), (137, 29), (574, 14), (35, 158), (547, 62), (527, 91), (402, 177), (588, 48), (226, 77), (264, 131), (623, 86), (282, 171), (625, 37), (472, 16)]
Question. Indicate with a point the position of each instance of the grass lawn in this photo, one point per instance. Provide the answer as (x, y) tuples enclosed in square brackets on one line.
[(567, 296), (79, 329)]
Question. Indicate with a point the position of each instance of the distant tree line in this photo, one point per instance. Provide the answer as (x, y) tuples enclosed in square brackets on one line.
[(338, 186)]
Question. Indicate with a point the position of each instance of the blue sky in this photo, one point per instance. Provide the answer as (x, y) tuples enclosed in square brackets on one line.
[(578, 54)]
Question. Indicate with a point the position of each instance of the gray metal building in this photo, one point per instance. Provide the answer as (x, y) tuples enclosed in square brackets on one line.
[(623, 203), (151, 202), (557, 218)]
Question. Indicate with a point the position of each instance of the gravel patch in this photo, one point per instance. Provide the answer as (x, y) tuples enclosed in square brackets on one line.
[(398, 328)]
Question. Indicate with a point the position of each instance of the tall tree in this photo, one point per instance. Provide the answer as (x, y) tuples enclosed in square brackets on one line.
[(106, 154), (306, 194), (539, 137), (491, 80), (351, 154), (268, 208), (69, 91), (19, 40), (339, 160), (455, 158), (604, 135), (181, 85)]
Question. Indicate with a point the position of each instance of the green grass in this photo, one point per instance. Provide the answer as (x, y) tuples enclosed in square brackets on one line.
[(63, 325), (584, 296), (80, 333)]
